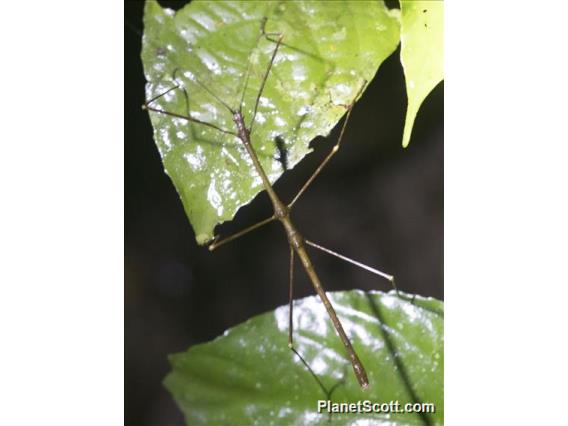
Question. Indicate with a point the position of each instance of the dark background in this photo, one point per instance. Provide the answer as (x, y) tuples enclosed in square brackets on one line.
[(376, 202)]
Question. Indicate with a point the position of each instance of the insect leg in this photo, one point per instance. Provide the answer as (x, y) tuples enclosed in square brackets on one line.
[(331, 153), (375, 271), (263, 83), (266, 35), (230, 238), (291, 327), (147, 106), (188, 118)]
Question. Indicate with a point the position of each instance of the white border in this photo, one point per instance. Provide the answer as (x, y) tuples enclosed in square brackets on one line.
[(61, 224), (61, 314), (506, 212)]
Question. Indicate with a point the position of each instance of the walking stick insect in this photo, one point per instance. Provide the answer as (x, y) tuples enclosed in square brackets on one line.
[(297, 243)]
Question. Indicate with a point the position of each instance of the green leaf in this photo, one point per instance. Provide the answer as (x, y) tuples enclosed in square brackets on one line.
[(249, 376), (422, 53), (330, 50)]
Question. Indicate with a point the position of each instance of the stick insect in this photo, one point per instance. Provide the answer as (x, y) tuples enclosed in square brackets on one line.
[(297, 243)]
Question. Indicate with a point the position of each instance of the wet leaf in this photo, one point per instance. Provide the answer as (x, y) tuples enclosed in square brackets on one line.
[(422, 53), (249, 376), (330, 50)]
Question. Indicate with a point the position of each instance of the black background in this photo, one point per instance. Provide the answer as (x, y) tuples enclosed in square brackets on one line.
[(375, 202)]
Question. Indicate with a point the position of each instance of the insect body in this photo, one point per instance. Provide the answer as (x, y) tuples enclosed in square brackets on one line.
[(296, 241)]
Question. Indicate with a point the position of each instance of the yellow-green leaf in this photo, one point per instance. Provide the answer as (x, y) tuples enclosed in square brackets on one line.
[(422, 53)]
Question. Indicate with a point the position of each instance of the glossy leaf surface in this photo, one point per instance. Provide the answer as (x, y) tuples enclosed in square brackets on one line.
[(249, 376), (330, 51)]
